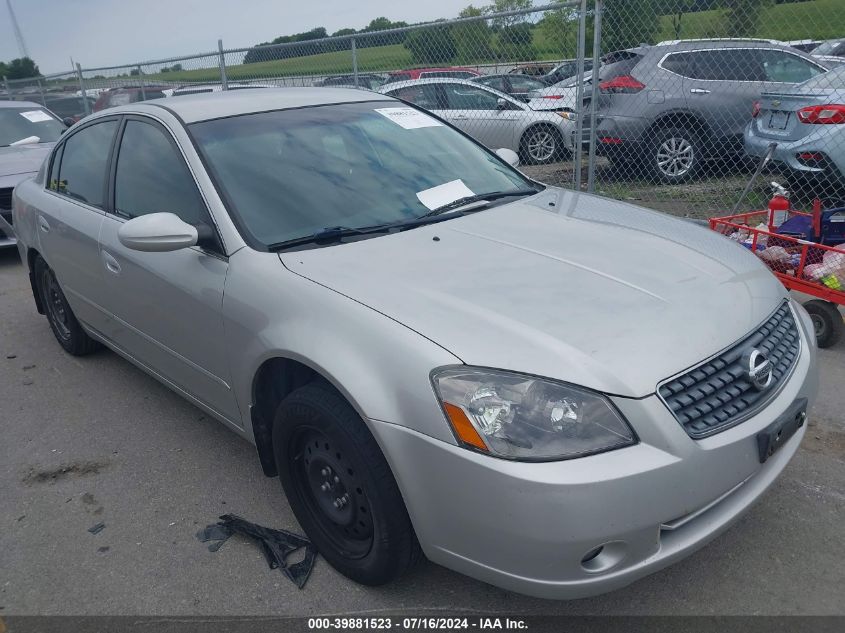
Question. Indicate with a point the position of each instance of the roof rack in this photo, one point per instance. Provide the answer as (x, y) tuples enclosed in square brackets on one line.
[(720, 39)]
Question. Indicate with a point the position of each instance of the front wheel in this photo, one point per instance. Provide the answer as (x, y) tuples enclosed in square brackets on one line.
[(827, 322), (541, 145), (341, 488)]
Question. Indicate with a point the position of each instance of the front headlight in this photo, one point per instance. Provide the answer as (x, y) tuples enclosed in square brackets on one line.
[(525, 418)]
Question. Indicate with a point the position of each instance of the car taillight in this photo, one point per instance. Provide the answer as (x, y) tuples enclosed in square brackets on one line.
[(831, 114), (625, 84), (755, 110)]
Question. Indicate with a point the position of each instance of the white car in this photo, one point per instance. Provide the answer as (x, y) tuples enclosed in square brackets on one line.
[(491, 117)]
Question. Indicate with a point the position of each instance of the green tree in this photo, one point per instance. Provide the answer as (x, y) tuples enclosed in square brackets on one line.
[(742, 17), (516, 43), (20, 68), (500, 6), (472, 40), (627, 23), (431, 46), (557, 33), (344, 32)]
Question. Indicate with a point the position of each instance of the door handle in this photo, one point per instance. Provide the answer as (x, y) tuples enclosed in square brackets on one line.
[(110, 263), (42, 224), (699, 91)]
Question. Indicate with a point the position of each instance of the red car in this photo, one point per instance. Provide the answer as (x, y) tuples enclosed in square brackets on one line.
[(453, 72)]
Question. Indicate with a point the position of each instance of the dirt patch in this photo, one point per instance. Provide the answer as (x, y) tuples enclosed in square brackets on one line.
[(73, 469)]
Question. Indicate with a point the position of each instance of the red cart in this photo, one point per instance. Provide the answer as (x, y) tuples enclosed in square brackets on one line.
[(802, 265)]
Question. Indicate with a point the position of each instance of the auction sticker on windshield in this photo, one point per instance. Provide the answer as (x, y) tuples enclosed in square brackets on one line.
[(36, 116), (444, 194), (409, 118)]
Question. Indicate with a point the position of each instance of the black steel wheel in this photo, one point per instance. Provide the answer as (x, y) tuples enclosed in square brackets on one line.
[(827, 322), (341, 488), (63, 322)]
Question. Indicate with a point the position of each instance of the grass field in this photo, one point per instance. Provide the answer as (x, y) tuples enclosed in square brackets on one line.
[(815, 19)]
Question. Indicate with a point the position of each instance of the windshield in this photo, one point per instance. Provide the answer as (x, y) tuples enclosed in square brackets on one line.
[(832, 79), (291, 173), (19, 123)]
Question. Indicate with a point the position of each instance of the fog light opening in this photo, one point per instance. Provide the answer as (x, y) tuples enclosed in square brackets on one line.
[(604, 557)]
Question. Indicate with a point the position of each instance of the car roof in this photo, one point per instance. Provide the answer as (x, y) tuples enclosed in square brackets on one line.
[(216, 105), (439, 69), (716, 43), (20, 104)]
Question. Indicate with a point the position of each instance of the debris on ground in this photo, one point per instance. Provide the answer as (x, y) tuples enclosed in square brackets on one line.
[(96, 529), (276, 545)]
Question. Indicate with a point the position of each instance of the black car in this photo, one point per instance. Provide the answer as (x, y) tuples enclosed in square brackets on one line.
[(69, 106), (517, 86), (368, 81), (564, 70)]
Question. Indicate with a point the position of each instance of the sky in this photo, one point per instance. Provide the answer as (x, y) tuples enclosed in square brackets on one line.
[(110, 32)]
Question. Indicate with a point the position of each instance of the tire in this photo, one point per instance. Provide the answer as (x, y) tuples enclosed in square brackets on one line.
[(675, 154), (63, 322), (541, 145), (326, 455), (827, 322)]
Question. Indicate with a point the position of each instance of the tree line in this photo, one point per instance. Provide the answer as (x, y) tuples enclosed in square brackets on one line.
[(20, 68)]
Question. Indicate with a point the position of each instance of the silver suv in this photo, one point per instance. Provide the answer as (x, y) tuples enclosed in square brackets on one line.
[(669, 108)]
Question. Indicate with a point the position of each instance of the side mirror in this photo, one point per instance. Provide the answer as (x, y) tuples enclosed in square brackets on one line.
[(501, 104), (68, 121), (157, 233), (509, 156)]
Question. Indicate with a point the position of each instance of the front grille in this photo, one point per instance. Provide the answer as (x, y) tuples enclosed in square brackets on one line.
[(718, 393), (6, 198)]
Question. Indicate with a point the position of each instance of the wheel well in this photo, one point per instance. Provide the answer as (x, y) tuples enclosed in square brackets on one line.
[(682, 119), (275, 379), (31, 254)]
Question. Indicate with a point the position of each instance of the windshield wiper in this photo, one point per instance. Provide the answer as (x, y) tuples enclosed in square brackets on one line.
[(337, 234), (481, 197)]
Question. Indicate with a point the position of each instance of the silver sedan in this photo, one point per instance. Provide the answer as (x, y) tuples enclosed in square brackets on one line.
[(550, 391), (491, 117)]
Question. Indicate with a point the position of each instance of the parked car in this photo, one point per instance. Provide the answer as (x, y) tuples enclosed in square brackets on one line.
[(453, 72), (491, 117), (803, 45), (549, 391), (534, 69), (369, 81), (681, 104), (69, 108), (196, 89), (130, 94), (564, 70), (808, 124), (832, 52), (517, 86), (27, 133)]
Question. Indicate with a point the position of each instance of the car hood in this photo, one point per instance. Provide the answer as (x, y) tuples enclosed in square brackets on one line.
[(591, 291), (23, 159)]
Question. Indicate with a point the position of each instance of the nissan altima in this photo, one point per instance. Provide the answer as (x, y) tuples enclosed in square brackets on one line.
[(546, 390)]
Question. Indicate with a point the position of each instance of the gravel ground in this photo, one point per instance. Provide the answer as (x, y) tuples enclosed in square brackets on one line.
[(94, 440)]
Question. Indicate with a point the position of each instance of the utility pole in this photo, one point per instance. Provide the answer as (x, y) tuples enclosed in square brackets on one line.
[(18, 35)]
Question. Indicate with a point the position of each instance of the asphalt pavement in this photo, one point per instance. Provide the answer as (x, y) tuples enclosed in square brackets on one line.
[(94, 440)]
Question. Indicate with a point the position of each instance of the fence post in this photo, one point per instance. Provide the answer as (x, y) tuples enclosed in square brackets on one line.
[(354, 61), (85, 103), (223, 81), (141, 79), (41, 91), (579, 94), (591, 161), (8, 90)]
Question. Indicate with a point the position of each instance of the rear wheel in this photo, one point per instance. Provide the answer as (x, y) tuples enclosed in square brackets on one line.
[(63, 322), (540, 145), (827, 322), (675, 154), (341, 488)]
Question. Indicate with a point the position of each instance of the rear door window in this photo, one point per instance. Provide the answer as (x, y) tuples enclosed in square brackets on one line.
[(678, 63), (729, 64), (426, 96), (82, 172)]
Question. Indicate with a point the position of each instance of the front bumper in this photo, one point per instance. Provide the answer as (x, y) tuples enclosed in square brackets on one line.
[(527, 527)]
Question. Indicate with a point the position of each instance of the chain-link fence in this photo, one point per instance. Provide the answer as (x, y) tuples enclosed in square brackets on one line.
[(667, 103)]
